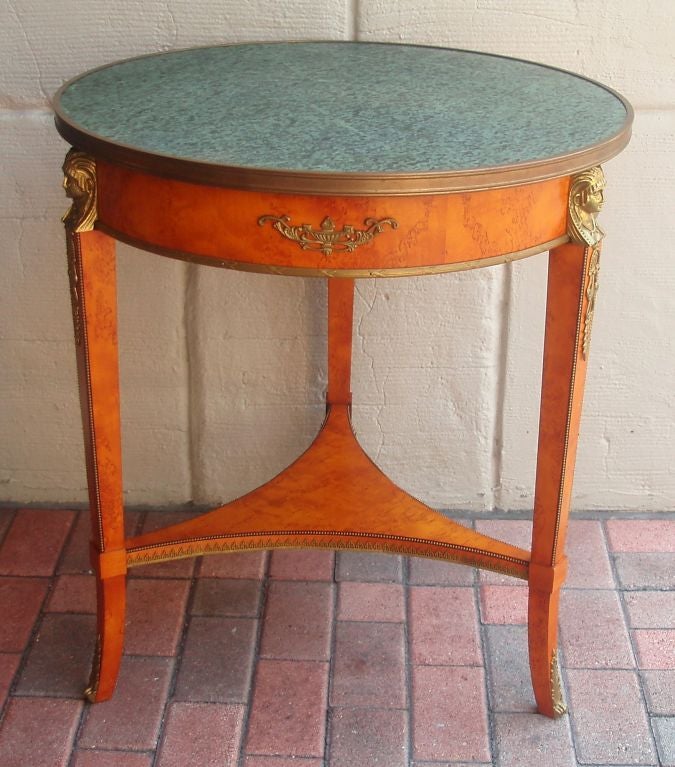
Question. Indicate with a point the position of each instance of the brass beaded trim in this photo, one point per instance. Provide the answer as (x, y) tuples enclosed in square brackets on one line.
[(330, 539), (591, 293)]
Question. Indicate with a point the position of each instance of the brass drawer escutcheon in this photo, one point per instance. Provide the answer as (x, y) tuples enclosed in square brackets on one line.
[(327, 239)]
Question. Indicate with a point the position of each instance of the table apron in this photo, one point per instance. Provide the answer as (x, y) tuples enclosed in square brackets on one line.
[(330, 236)]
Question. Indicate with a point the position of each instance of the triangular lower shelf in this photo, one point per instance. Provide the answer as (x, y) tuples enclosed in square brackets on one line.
[(332, 496)]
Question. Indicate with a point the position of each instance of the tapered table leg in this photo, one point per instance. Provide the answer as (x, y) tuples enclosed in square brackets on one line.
[(340, 319), (95, 317), (91, 267), (572, 281)]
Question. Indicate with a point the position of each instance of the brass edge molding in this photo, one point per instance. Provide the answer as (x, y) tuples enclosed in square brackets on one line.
[(79, 181), (341, 184), (586, 197), (327, 238), (301, 271), (591, 293), (559, 707)]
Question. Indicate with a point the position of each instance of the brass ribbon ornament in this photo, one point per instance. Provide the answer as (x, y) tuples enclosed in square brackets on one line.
[(327, 238), (591, 293)]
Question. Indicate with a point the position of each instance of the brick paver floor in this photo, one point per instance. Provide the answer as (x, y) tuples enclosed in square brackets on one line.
[(317, 659)]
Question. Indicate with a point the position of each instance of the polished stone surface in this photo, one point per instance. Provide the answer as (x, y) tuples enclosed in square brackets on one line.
[(343, 107)]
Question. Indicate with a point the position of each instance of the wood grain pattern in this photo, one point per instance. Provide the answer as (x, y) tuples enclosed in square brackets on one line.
[(222, 224), (93, 289), (332, 496), (564, 372), (340, 331)]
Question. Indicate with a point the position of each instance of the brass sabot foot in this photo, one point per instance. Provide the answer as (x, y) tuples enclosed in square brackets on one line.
[(559, 707)]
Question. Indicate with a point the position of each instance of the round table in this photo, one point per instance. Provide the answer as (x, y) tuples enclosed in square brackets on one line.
[(337, 160)]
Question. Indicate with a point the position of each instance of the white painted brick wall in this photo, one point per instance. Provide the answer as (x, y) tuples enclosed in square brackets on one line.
[(220, 391), (259, 376), (424, 382)]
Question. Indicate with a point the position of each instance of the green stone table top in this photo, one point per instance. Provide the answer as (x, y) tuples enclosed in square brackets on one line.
[(310, 116)]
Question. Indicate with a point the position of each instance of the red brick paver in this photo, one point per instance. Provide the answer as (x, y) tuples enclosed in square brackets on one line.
[(33, 543), (6, 519), (155, 610), (523, 739), (655, 648), (610, 723), (503, 604), (38, 732), (298, 621), (305, 659), (589, 565), (506, 657), (309, 565), (448, 764), (281, 761), (131, 719), (366, 567), (450, 719), (111, 759), (75, 555), (659, 688), (247, 564), (444, 626), (217, 660), (638, 535), (204, 734), (227, 597), (650, 609), (664, 730), (368, 665), (371, 602), (368, 736), (8, 666), (20, 601), (288, 709), (433, 572), (593, 632), (645, 571), (73, 594), (59, 659)]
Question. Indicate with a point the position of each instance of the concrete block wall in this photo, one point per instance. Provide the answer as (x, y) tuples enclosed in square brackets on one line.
[(223, 373)]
